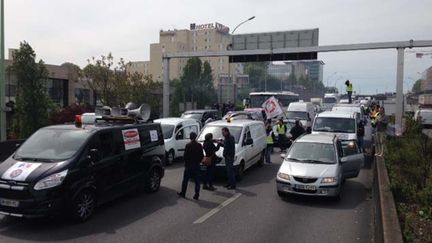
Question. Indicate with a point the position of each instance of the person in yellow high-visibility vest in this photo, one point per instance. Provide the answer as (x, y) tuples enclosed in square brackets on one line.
[(270, 142), (281, 129), (349, 90)]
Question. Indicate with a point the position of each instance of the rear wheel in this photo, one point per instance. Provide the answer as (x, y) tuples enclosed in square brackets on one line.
[(83, 206), (153, 181)]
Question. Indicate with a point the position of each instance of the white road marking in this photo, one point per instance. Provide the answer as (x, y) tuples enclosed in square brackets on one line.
[(217, 209)]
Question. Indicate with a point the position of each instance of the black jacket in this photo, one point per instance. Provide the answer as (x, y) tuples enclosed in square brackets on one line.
[(210, 150), (296, 132), (229, 146), (193, 154)]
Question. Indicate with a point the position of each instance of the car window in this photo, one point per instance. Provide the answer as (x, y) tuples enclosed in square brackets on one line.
[(349, 148), (330, 124), (217, 132), (247, 135), (167, 130), (150, 136), (312, 152), (187, 131), (106, 140)]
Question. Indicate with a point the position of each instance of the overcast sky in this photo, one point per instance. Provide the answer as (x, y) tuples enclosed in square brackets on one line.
[(75, 30)]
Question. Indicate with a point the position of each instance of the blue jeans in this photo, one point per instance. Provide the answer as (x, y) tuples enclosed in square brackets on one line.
[(268, 153), (191, 173), (229, 164)]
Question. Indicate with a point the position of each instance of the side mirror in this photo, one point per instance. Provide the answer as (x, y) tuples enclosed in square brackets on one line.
[(93, 155), (179, 136), (283, 155), (249, 141)]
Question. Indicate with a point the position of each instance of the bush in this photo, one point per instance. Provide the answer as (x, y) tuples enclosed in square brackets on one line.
[(67, 114)]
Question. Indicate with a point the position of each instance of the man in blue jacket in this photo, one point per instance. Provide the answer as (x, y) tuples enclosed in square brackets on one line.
[(228, 154)]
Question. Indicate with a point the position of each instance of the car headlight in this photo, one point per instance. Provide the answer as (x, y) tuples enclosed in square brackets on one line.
[(327, 180), (283, 176), (51, 181)]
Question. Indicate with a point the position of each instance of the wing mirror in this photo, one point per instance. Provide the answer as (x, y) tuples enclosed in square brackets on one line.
[(93, 155), (283, 155), (344, 160)]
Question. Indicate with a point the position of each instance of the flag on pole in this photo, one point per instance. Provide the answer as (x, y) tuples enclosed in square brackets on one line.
[(272, 108)]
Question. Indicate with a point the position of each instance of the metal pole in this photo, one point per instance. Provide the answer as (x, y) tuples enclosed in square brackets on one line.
[(399, 87), (2, 76), (166, 87)]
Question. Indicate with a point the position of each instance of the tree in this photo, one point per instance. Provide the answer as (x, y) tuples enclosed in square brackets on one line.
[(195, 84), (416, 88), (257, 74), (32, 102)]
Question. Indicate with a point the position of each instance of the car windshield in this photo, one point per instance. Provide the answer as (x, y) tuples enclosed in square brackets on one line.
[(297, 115), (167, 130), (329, 100), (312, 153), (217, 132), (331, 124), (195, 116), (50, 145)]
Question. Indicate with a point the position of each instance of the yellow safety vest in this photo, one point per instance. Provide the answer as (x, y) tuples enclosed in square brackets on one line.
[(280, 128), (349, 87), (270, 138)]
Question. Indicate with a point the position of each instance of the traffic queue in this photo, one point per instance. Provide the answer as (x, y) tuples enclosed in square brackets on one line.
[(72, 168)]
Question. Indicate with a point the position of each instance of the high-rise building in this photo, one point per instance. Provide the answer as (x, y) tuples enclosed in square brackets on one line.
[(211, 37)]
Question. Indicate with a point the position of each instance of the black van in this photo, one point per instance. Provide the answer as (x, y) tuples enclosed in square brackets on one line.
[(73, 169)]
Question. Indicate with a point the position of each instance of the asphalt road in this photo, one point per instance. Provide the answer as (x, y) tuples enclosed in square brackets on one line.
[(252, 213)]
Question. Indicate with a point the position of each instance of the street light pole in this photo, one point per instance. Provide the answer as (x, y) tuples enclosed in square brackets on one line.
[(229, 57), (2, 76)]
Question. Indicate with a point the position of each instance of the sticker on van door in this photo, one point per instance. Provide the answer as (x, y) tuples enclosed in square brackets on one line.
[(131, 138), (20, 171), (153, 136)]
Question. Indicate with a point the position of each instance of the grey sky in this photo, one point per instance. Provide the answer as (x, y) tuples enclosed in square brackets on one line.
[(73, 31)]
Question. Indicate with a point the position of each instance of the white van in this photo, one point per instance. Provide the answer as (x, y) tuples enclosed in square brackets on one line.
[(250, 142), (330, 100), (176, 133), (304, 111), (426, 117)]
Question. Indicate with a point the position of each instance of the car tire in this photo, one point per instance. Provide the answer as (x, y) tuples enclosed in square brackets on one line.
[(83, 205), (261, 161), (153, 180), (170, 157), (240, 171)]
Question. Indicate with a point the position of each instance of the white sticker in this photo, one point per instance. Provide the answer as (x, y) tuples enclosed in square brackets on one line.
[(153, 135), (131, 138), (20, 171)]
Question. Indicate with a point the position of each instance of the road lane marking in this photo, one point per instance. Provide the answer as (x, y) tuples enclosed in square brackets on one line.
[(217, 209)]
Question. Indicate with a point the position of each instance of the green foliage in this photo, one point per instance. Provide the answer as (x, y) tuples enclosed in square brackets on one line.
[(32, 101), (195, 85), (416, 88)]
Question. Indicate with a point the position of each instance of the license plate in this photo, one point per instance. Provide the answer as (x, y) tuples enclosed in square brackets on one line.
[(306, 187), (9, 203)]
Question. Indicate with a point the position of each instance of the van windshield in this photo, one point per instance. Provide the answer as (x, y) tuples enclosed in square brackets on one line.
[(297, 115), (329, 100), (217, 132), (167, 131), (331, 124), (50, 145)]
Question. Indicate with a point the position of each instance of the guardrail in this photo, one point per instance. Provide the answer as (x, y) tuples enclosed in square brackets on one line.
[(387, 228)]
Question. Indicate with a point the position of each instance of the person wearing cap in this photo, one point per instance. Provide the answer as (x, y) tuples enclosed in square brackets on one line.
[(349, 89), (297, 130), (281, 129)]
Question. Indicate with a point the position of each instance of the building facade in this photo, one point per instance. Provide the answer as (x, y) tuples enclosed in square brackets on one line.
[(211, 37), (426, 83)]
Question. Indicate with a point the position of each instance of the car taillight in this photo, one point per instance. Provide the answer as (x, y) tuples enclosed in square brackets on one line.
[(78, 122)]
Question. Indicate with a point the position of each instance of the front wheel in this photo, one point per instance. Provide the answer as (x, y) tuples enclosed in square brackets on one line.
[(240, 171), (83, 206), (170, 157)]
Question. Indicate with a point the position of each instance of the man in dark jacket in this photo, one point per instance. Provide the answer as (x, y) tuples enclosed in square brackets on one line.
[(297, 130), (193, 156), (228, 154)]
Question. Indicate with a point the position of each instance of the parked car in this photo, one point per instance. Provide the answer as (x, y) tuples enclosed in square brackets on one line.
[(303, 111), (176, 133), (317, 165), (250, 142), (68, 168), (202, 116), (424, 116)]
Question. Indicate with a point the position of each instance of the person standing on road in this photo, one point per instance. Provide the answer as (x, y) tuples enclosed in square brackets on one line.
[(297, 130), (281, 129), (270, 141), (210, 151), (349, 90), (193, 156), (228, 154), (381, 127)]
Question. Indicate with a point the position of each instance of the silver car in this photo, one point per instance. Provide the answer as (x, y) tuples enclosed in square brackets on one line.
[(317, 164)]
